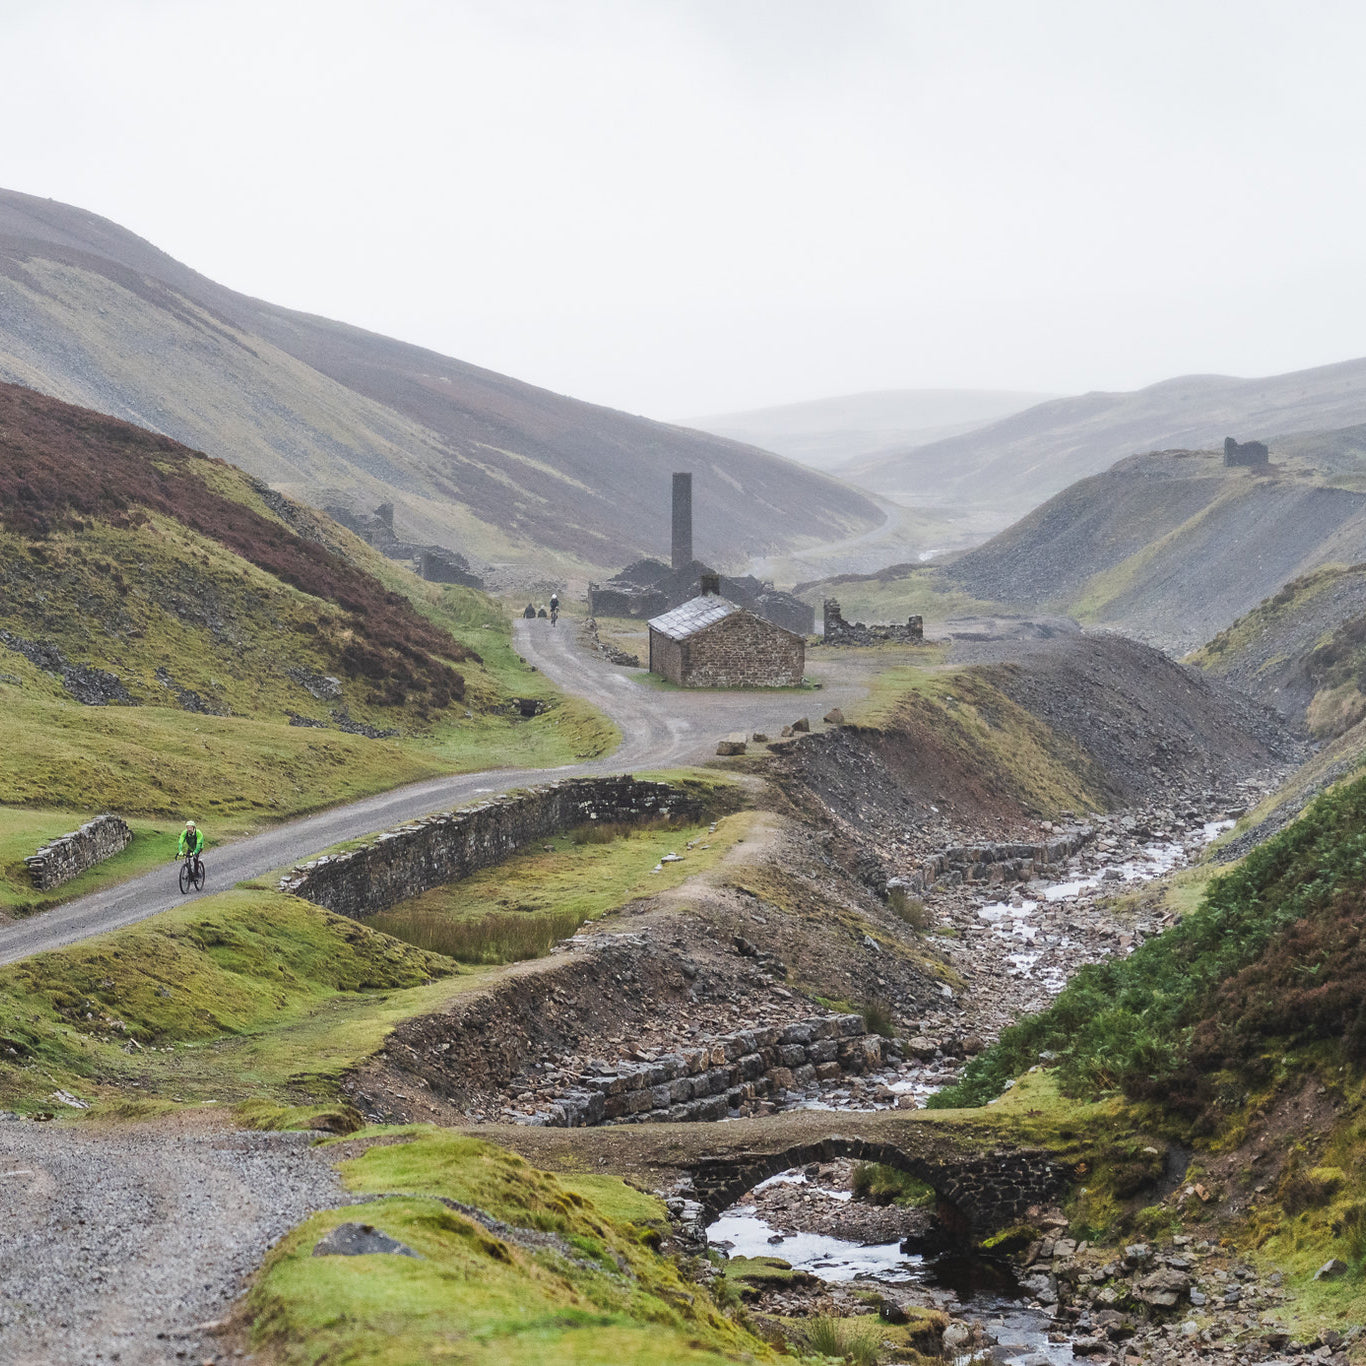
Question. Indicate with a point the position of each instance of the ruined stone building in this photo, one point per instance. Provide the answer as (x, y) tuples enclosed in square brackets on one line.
[(435, 563), (711, 642), (837, 631), (649, 587), (1250, 453)]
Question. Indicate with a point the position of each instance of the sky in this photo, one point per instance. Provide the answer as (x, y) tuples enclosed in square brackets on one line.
[(688, 207)]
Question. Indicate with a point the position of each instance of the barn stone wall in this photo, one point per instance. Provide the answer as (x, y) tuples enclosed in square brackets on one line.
[(741, 651), (412, 859)]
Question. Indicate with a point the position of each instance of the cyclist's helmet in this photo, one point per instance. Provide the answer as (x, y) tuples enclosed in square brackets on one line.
[(189, 825)]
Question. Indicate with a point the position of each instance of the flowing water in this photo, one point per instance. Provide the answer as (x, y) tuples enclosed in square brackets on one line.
[(979, 1289)]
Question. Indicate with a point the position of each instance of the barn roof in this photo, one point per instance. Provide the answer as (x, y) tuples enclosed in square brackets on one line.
[(693, 616)]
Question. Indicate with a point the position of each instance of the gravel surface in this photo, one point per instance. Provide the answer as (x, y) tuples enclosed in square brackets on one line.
[(121, 1240)]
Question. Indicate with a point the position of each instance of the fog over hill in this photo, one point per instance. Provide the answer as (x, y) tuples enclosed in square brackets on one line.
[(94, 315), (1001, 470), (827, 433)]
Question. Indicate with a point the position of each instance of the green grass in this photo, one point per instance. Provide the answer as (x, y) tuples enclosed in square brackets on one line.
[(242, 995), (597, 1295), (964, 724), (521, 907)]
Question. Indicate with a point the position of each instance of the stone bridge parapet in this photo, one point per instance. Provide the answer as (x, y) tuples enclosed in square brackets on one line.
[(976, 1193), (70, 855)]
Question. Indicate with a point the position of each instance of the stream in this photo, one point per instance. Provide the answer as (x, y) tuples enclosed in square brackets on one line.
[(980, 1290)]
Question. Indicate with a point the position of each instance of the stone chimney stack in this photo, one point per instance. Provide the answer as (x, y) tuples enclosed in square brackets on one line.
[(711, 585), (682, 539)]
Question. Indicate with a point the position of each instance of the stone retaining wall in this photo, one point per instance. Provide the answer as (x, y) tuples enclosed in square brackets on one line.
[(994, 863), (716, 1079), (72, 854), (412, 859)]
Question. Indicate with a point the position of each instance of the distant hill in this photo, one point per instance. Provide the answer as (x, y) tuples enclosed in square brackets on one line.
[(830, 433), (1001, 470), (1170, 547), (328, 413)]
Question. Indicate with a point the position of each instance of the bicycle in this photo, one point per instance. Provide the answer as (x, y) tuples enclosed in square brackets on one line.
[(554, 615), (191, 874)]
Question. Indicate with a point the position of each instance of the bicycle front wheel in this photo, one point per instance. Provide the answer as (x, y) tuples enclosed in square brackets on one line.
[(199, 878), (184, 878)]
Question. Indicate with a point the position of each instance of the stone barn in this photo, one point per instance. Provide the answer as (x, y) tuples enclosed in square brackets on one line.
[(710, 642)]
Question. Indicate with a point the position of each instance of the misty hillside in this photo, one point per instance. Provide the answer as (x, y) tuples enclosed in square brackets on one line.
[(94, 315), (1004, 469), (1171, 547), (828, 433)]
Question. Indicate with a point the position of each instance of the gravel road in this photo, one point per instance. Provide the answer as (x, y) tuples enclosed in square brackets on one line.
[(660, 728), (121, 1239)]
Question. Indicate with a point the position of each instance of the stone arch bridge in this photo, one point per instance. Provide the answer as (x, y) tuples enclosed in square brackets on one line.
[(982, 1181)]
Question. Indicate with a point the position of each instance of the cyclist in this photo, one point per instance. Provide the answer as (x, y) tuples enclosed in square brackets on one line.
[(554, 608), (191, 843)]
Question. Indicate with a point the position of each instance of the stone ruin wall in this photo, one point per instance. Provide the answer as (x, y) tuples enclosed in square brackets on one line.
[(742, 651), (72, 854), (414, 858), (837, 631), (994, 863)]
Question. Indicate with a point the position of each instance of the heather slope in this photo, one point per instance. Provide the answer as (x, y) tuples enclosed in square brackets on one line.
[(175, 634), (328, 412)]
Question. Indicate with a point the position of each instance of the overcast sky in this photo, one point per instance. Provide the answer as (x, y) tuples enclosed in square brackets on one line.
[(681, 207)]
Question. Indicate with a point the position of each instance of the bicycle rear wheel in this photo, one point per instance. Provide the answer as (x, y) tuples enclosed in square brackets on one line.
[(184, 878), (199, 878)]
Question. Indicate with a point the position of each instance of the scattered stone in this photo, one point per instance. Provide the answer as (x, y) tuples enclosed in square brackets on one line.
[(1331, 1270), (360, 1240)]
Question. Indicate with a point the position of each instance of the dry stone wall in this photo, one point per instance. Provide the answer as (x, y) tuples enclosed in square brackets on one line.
[(72, 854), (715, 1080), (412, 859)]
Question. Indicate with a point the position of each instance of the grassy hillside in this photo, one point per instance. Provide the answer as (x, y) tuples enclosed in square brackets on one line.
[(175, 636), (1241, 1034), (326, 412), (1303, 650), (568, 1273)]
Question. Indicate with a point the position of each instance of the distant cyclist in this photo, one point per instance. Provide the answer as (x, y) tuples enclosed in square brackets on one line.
[(554, 608), (192, 845)]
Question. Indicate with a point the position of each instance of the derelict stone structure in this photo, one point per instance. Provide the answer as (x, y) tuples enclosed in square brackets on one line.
[(837, 631), (412, 859), (72, 854), (1248, 453), (682, 522), (435, 563), (713, 643)]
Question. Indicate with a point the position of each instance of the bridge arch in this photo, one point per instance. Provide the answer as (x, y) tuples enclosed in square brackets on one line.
[(976, 1194)]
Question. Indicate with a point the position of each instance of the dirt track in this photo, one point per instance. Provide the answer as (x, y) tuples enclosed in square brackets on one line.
[(660, 729)]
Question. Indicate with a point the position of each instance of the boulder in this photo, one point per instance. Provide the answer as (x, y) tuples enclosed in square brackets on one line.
[(834, 717), (360, 1240), (734, 743)]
